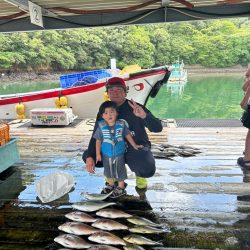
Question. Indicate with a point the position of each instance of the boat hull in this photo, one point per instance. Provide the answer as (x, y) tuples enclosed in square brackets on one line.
[(85, 100)]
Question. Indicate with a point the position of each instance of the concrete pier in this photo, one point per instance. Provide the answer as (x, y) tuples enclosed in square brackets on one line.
[(203, 199)]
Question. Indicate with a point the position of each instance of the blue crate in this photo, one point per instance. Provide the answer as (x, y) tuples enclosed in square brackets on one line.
[(8, 154), (83, 78)]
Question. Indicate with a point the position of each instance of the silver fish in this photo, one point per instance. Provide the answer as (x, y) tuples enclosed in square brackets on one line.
[(80, 217), (147, 229), (133, 247), (142, 221), (107, 224), (106, 238), (103, 247), (91, 206), (96, 197), (112, 213), (72, 241), (77, 228), (140, 240)]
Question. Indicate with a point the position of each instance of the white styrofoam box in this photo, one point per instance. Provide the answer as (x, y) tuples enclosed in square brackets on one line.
[(52, 116)]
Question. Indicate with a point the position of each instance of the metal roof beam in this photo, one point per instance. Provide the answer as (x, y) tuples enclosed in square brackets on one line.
[(135, 17)]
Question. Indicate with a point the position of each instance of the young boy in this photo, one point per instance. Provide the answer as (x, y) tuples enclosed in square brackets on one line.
[(110, 148)]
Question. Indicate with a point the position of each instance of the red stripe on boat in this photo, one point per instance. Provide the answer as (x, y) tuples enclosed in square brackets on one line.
[(66, 92)]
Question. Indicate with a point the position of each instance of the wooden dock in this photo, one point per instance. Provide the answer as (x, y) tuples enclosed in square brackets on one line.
[(204, 199)]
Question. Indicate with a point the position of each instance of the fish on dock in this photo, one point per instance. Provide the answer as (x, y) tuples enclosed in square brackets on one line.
[(112, 213), (91, 206), (108, 224), (77, 228), (80, 217), (72, 241), (106, 238), (103, 247), (140, 240), (95, 196), (133, 247), (147, 229), (137, 220)]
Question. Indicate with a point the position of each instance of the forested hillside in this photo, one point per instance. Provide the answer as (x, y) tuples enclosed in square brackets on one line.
[(219, 43)]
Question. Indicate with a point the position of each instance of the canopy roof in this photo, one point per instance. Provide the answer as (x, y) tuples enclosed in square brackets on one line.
[(61, 14)]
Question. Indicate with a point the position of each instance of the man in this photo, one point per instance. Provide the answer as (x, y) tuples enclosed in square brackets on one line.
[(244, 162), (141, 161)]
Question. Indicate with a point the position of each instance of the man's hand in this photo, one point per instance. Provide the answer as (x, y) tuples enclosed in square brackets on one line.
[(98, 157), (137, 109), (90, 165), (136, 146)]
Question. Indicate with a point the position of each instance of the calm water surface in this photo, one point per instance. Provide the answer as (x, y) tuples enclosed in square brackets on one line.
[(216, 96), (28, 86), (201, 97)]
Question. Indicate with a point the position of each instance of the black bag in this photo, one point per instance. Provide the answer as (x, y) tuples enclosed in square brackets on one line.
[(245, 118)]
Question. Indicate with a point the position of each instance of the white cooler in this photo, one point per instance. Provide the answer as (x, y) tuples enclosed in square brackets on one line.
[(52, 116)]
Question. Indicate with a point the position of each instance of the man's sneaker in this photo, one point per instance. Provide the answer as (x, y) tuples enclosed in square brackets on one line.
[(141, 192), (118, 192), (141, 182), (107, 189)]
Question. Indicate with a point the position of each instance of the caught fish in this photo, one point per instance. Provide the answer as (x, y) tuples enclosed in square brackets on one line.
[(91, 206), (107, 224), (77, 228), (72, 241), (140, 240), (147, 230), (112, 213), (106, 238), (133, 247), (142, 221), (103, 247), (96, 197), (80, 217)]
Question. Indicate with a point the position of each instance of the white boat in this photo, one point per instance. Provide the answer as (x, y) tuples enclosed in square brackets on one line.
[(85, 100), (178, 73)]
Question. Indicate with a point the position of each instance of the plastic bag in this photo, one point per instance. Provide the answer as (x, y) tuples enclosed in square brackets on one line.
[(54, 186)]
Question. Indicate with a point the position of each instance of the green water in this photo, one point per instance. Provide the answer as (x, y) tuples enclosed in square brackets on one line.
[(206, 97), (28, 86)]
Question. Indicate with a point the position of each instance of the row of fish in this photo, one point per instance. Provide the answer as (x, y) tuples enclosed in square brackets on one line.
[(105, 239), (142, 225), (95, 232)]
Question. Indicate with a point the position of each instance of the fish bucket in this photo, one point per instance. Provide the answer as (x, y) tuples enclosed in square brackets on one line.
[(54, 186)]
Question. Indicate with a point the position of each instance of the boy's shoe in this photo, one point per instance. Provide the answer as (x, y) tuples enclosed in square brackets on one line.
[(107, 189), (118, 192), (116, 184), (141, 182)]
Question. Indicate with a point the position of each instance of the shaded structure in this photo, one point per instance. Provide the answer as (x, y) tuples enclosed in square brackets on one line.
[(61, 14)]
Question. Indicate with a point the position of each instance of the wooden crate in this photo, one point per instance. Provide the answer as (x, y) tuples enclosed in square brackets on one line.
[(4, 133)]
